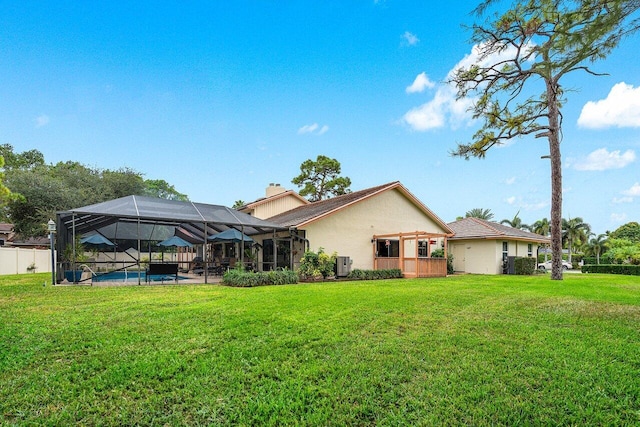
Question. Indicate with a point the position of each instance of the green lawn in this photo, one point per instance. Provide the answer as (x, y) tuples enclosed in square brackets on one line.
[(503, 350)]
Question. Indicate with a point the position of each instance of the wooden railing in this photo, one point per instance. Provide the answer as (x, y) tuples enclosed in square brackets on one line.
[(412, 267), (386, 263), (424, 267)]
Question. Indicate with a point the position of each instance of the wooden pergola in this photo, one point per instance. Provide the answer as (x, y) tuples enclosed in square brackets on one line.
[(409, 261)]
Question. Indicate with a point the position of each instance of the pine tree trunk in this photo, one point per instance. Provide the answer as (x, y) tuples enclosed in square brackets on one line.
[(556, 181)]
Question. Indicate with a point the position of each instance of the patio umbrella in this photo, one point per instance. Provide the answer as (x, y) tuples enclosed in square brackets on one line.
[(176, 241), (230, 235), (96, 240)]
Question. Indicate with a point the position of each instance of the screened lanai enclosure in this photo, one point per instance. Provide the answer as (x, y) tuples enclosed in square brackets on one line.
[(123, 236)]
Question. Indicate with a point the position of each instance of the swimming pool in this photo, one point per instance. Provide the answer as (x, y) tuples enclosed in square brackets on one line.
[(132, 276)]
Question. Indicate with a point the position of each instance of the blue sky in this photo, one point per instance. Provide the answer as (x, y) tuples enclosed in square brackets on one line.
[(222, 98)]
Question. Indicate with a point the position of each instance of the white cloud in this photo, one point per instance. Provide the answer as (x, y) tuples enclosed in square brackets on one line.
[(622, 200), (313, 129), (510, 181), (618, 218), (421, 83), (602, 159), (444, 108), (634, 191), (511, 200), (427, 116), (475, 57), (410, 38), (42, 120), (621, 108)]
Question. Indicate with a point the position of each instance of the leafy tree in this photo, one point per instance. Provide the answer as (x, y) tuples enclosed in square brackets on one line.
[(574, 231), (40, 190), (122, 182), (320, 179), (480, 213), (533, 42), (5, 193), (25, 160), (41, 196), (624, 251), (238, 204), (516, 222), (629, 231), (162, 189)]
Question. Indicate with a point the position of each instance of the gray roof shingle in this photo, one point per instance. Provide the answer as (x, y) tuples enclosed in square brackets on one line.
[(303, 214), (475, 228)]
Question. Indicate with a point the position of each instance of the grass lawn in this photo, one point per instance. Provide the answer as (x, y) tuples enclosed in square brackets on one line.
[(480, 350)]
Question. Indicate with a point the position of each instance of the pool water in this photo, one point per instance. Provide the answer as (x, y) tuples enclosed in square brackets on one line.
[(132, 276)]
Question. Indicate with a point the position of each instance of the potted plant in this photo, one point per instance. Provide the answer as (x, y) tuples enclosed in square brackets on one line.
[(70, 261)]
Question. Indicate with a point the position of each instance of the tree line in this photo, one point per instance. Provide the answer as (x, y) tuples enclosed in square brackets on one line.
[(32, 191)]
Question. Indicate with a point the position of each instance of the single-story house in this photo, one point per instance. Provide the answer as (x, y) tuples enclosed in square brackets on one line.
[(485, 247), (376, 228)]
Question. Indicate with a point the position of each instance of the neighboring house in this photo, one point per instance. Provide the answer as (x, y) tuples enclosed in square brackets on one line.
[(484, 247), (6, 233), (277, 200), (377, 228)]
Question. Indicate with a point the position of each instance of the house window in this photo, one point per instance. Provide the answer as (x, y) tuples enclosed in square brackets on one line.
[(422, 248), (530, 250), (505, 251), (388, 248)]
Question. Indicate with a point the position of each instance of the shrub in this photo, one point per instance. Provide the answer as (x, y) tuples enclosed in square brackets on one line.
[(247, 279), (525, 266), (314, 265), (394, 273), (628, 269)]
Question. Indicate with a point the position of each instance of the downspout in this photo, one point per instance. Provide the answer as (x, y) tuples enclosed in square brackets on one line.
[(242, 246)]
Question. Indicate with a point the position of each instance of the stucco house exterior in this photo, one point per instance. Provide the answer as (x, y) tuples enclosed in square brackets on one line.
[(484, 247), (377, 228)]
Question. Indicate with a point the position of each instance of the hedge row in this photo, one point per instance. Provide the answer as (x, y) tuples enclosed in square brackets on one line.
[(248, 279), (394, 273), (628, 269), (525, 266)]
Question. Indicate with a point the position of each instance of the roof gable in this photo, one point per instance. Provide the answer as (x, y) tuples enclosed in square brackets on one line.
[(265, 200), (315, 211), (475, 228)]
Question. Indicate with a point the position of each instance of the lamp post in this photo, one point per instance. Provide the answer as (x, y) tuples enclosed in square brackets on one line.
[(51, 225)]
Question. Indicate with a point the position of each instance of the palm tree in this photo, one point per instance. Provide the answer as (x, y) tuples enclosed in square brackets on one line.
[(597, 244), (574, 230), (541, 227), (480, 213), (238, 204), (516, 222)]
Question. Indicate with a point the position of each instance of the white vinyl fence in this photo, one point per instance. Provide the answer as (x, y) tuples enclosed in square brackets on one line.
[(18, 260)]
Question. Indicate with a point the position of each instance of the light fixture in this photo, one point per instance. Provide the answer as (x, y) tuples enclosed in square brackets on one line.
[(51, 226)]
